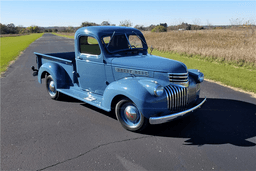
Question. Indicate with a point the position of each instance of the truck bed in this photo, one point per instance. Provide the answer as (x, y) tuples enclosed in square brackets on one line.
[(65, 60), (64, 55)]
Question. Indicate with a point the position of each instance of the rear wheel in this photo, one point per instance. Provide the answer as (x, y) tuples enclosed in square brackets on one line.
[(51, 88), (129, 116)]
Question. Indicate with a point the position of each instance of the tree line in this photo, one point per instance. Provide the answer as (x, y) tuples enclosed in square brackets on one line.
[(162, 27), (12, 29)]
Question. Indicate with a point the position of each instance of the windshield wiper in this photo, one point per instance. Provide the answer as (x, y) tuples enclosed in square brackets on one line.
[(111, 38), (139, 37)]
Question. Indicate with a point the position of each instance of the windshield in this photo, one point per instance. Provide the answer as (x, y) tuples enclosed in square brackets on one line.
[(122, 42)]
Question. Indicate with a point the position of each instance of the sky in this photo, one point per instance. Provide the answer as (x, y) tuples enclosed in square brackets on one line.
[(73, 13)]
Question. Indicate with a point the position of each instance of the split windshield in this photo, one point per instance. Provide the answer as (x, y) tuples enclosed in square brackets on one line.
[(122, 42)]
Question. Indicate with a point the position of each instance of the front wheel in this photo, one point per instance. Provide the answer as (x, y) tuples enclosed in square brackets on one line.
[(129, 116), (51, 88)]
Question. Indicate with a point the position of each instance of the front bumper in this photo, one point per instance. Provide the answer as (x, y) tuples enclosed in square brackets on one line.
[(167, 118)]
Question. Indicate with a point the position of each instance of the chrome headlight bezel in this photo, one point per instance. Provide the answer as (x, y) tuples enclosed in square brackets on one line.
[(159, 90)]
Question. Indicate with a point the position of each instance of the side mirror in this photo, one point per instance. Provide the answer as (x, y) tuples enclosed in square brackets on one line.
[(151, 49)]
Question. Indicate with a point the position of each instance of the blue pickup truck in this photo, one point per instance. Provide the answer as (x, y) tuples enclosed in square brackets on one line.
[(112, 70)]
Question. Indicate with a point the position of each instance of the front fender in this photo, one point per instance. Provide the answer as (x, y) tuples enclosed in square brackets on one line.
[(58, 73), (135, 89)]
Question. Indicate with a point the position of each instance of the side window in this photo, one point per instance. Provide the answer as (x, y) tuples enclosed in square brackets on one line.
[(89, 45), (106, 39), (135, 41)]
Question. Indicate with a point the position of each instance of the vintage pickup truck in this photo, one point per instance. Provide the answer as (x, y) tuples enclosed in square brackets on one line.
[(112, 70)]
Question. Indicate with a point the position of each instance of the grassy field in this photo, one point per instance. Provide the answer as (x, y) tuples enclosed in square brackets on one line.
[(227, 74), (214, 52), (11, 47), (236, 47)]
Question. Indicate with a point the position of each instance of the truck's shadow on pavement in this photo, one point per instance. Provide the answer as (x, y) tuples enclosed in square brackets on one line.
[(219, 121), (66, 98)]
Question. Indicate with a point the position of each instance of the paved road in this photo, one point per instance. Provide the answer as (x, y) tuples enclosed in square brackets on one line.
[(42, 134)]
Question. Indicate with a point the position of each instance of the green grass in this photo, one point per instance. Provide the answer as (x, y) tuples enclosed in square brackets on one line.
[(11, 47), (222, 72), (62, 35)]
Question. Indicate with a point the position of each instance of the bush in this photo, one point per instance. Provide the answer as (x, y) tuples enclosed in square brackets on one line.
[(126, 23), (86, 23), (196, 27), (159, 29)]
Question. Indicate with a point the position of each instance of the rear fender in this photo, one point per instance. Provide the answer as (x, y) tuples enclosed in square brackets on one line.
[(58, 73)]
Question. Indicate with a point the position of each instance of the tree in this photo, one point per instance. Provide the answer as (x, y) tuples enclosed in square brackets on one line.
[(86, 23), (163, 24), (140, 27), (126, 23), (11, 28), (105, 23), (197, 21), (30, 29), (208, 23), (70, 29), (3, 28), (22, 31), (196, 27), (35, 29), (159, 29), (151, 27), (184, 26)]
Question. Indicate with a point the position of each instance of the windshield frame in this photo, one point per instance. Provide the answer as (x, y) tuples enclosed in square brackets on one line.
[(144, 44)]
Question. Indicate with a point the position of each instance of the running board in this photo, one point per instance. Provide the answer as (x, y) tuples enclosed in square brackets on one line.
[(87, 97)]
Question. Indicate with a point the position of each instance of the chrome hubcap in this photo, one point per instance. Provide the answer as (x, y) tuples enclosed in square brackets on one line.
[(131, 113), (52, 86)]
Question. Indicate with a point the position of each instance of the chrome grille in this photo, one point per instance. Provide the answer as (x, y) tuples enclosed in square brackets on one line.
[(177, 97), (178, 78)]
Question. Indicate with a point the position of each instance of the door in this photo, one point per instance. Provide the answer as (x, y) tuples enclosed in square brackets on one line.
[(90, 66)]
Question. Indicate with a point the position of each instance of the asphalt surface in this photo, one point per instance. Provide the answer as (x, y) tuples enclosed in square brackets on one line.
[(38, 133)]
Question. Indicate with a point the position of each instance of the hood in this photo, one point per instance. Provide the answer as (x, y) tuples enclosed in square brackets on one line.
[(150, 63)]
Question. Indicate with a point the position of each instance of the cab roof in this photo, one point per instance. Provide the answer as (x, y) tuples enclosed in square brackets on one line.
[(103, 30)]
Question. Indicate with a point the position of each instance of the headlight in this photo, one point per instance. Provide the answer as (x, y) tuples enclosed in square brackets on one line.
[(201, 77), (159, 90)]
